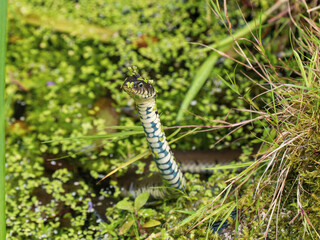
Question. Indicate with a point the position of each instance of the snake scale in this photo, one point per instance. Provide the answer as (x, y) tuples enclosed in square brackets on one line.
[(144, 95)]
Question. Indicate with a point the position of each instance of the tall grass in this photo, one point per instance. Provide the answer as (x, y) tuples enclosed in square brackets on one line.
[(223, 45), (282, 199), (3, 21)]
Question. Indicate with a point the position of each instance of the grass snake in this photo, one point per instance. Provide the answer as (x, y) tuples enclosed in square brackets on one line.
[(144, 95)]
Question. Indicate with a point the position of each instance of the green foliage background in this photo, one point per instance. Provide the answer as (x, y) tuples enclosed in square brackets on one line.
[(64, 74)]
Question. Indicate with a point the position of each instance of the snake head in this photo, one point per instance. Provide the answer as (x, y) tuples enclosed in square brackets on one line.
[(139, 88)]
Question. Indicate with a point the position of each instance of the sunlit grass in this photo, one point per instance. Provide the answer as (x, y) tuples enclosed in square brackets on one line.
[(3, 21), (285, 174), (293, 115), (223, 45)]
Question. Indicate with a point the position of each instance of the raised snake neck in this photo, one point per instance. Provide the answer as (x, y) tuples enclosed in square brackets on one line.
[(143, 93), (162, 154), (156, 138)]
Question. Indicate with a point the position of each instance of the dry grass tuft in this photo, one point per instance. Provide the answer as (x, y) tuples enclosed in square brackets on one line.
[(284, 198)]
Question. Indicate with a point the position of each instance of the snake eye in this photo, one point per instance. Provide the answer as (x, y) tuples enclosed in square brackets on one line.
[(140, 85)]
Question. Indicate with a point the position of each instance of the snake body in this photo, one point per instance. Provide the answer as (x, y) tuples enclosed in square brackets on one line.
[(144, 95)]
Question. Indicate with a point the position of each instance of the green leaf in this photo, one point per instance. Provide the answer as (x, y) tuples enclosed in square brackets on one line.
[(3, 44), (303, 72), (200, 78), (233, 86), (228, 214), (141, 200), (231, 166), (151, 223), (185, 212), (126, 227), (125, 205), (311, 73), (102, 136), (222, 45), (136, 158)]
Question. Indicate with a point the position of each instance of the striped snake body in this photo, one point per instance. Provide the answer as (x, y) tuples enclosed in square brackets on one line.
[(144, 95)]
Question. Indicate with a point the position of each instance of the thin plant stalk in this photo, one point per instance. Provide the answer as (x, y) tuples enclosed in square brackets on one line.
[(3, 28), (223, 45)]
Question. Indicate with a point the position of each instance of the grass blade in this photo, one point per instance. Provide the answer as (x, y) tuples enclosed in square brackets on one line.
[(199, 80), (136, 158), (223, 45), (145, 154), (3, 28), (301, 67), (231, 166), (101, 136)]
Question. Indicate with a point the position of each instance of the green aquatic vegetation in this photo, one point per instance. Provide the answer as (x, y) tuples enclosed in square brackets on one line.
[(83, 71), (61, 77), (182, 217), (39, 207), (137, 216)]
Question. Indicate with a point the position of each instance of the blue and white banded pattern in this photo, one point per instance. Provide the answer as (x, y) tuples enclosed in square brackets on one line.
[(158, 144), (143, 93)]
